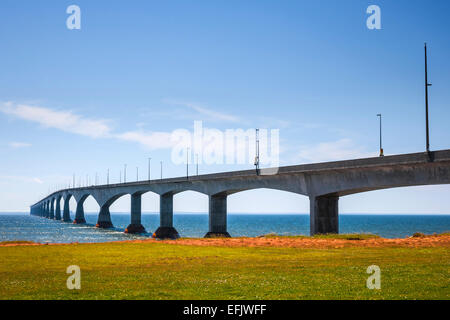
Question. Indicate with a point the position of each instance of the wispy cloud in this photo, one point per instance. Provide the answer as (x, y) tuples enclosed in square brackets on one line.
[(19, 145), (94, 128), (62, 120), (37, 180), (342, 149), (150, 140), (7, 179), (207, 113), (97, 128)]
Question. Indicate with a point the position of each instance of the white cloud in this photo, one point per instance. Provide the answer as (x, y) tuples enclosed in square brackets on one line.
[(20, 179), (208, 113), (37, 180), (150, 140), (69, 122), (19, 144), (342, 149), (62, 120)]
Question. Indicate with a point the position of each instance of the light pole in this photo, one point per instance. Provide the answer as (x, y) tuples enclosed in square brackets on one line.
[(161, 168), (125, 173), (137, 174), (426, 102), (257, 152), (149, 160), (107, 177), (187, 163), (196, 160), (381, 142)]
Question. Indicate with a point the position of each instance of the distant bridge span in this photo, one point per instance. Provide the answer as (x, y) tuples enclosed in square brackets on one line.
[(323, 183)]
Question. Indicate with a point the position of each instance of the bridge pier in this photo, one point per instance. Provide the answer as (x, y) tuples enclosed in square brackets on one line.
[(52, 209), (324, 214), (58, 209), (79, 214), (66, 210), (217, 217), (166, 229), (104, 218), (47, 210), (135, 226)]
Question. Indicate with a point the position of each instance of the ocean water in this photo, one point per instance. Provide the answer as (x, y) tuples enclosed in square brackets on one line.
[(25, 227)]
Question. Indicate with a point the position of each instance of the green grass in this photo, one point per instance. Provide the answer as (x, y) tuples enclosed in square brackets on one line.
[(168, 271)]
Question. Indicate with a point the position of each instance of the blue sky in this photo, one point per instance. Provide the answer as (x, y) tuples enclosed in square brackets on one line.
[(85, 101)]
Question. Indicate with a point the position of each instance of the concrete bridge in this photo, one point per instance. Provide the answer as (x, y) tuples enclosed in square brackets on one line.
[(323, 183)]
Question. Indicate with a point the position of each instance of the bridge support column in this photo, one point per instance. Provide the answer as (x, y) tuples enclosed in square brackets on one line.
[(79, 214), (217, 217), (104, 218), (52, 209), (166, 229), (58, 209), (47, 210), (135, 226), (324, 214), (66, 210)]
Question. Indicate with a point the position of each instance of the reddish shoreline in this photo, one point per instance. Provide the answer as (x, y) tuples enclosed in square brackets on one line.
[(287, 242)]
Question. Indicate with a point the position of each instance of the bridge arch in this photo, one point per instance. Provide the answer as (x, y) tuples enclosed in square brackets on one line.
[(52, 201), (432, 202), (229, 201), (67, 198), (58, 198), (293, 185), (108, 200), (192, 206), (80, 198), (344, 182), (91, 209)]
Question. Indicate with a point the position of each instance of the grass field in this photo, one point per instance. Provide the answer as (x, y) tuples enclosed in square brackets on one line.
[(157, 270)]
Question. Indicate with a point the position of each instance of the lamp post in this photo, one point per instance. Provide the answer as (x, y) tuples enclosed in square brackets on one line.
[(196, 160), (257, 152), (187, 163), (161, 168), (381, 141), (137, 174), (149, 160), (426, 102), (125, 173)]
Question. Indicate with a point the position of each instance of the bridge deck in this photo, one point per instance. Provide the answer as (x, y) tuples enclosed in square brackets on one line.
[(410, 158)]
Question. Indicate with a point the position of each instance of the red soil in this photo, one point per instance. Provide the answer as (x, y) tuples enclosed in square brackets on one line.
[(410, 242)]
